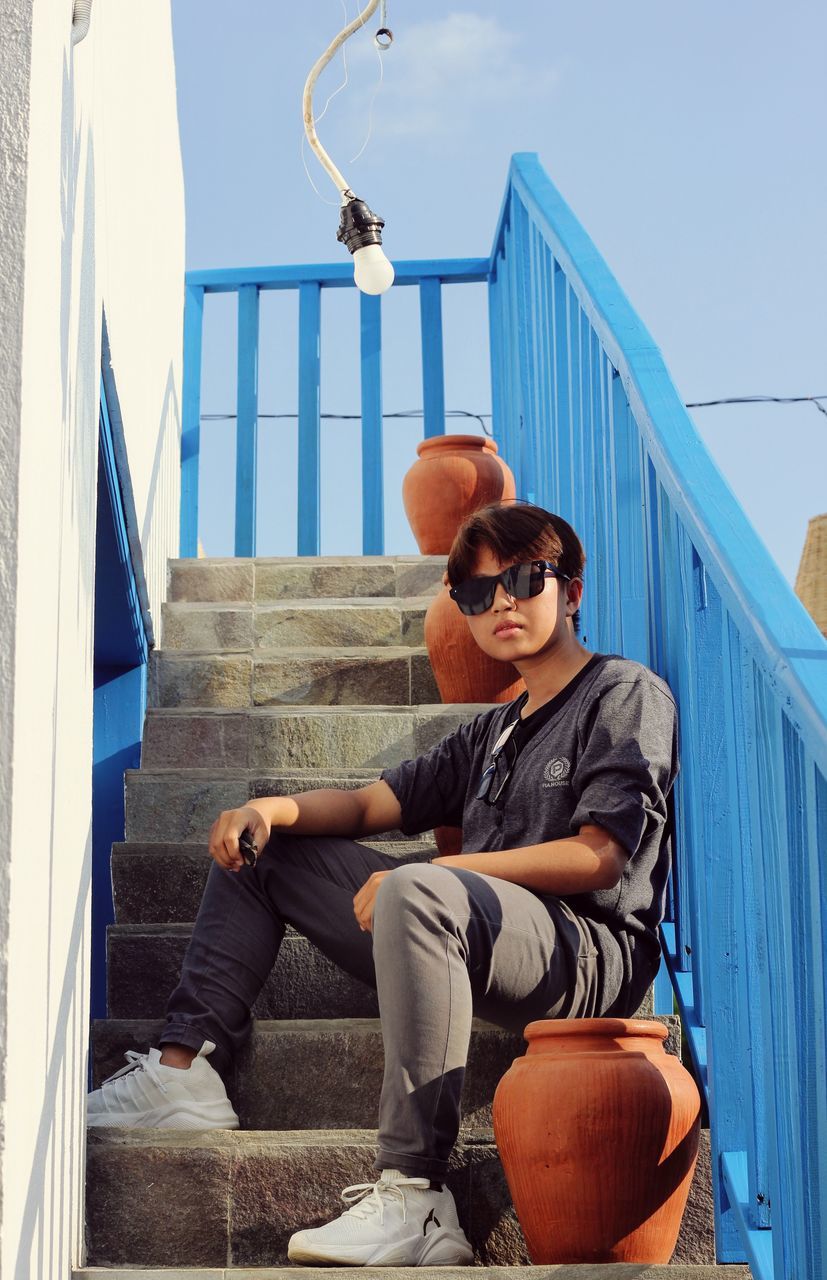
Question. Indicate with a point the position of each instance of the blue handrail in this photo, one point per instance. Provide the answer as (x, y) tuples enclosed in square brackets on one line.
[(589, 420), (588, 417)]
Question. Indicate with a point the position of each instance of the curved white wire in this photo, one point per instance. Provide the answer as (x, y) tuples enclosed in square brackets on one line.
[(321, 116), (333, 172)]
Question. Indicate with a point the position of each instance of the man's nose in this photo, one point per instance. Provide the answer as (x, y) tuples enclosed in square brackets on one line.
[(502, 600)]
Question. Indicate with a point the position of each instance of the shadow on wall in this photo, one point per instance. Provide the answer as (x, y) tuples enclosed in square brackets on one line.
[(170, 415), (70, 1028)]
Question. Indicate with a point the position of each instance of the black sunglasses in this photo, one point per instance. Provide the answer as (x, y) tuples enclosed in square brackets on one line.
[(520, 581), (487, 779)]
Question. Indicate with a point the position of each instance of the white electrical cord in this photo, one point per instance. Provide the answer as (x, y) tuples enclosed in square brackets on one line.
[(334, 173)]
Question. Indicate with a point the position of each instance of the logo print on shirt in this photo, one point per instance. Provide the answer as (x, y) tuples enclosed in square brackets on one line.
[(430, 1218), (557, 771)]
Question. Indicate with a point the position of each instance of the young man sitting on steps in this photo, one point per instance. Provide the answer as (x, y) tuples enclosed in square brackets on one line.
[(550, 911)]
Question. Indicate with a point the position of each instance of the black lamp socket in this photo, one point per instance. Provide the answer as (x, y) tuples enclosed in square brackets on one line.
[(358, 225)]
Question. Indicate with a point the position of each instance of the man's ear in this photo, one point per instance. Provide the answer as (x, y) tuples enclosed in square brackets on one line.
[(446, 582), (574, 594)]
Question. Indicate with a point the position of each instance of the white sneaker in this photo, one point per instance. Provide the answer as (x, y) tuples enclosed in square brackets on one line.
[(397, 1222), (146, 1095)]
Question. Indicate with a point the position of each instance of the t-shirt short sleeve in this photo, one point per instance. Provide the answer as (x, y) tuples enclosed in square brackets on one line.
[(627, 762), (431, 789)]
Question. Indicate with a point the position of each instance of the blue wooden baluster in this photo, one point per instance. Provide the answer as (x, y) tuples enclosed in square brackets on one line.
[(373, 538), (246, 422), (191, 419), (564, 504), (433, 374), (628, 500), (309, 515), (739, 710)]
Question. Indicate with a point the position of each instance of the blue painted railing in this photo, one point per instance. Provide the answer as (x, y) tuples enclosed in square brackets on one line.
[(309, 281), (590, 422), (586, 414)]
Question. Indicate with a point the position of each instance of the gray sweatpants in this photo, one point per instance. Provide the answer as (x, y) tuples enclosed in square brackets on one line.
[(447, 944)]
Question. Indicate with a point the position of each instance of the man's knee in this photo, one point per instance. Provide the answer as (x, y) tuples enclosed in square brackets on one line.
[(417, 886)]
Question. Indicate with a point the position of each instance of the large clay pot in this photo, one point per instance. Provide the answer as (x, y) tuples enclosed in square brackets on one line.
[(453, 476), (462, 671), (597, 1128)]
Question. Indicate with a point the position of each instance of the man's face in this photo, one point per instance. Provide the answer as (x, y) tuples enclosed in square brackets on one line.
[(512, 630)]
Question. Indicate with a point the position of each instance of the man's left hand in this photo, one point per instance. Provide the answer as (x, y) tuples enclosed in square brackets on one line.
[(365, 900)]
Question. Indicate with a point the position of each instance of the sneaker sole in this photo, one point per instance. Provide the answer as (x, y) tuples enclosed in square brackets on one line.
[(442, 1248), (173, 1116)]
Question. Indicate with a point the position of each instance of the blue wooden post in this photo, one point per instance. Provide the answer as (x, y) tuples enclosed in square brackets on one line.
[(433, 375), (191, 419), (309, 518), (562, 414), (246, 422), (373, 536), (630, 527), (741, 749)]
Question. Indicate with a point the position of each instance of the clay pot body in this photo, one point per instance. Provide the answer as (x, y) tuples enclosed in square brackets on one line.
[(453, 476), (462, 671), (597, 1129)]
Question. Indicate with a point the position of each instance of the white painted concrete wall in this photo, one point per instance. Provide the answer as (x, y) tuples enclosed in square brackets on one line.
[(94, 218)]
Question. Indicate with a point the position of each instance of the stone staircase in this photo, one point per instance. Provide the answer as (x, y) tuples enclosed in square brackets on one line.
[(277, 676)]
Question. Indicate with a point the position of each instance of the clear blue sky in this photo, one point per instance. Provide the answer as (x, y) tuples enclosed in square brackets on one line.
[(688, 139)]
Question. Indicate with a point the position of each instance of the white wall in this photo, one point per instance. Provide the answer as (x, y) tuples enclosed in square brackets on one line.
[(99, 165)]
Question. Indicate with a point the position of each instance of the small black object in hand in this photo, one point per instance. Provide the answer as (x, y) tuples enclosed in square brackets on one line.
[(248, 848)]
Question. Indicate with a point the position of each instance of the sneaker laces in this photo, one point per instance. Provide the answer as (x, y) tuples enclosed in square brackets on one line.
[(138, 1062), (366, 1197)]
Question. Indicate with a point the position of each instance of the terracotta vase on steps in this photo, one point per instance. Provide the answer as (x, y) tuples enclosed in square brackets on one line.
[(463, 673), (453, 476), (597, 1128)]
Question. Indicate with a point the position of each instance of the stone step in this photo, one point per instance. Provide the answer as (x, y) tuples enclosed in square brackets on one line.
[(285, 577), (343, 1057), (273, 738), (174, 805), (388, 676), (158, 1198), (144, 963), (163, 882), (585, 1271), (242, 628)]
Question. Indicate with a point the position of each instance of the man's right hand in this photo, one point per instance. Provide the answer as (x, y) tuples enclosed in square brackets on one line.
[(226, 829)]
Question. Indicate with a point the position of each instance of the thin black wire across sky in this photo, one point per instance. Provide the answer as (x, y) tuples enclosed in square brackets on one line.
[(480, 417)]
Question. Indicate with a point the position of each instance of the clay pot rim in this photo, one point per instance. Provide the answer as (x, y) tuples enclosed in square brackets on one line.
[(591, 1027), (456, 442)]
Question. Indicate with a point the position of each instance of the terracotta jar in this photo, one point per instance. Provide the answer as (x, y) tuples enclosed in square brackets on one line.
[(453, 476), (463, 673), (597, 1129)]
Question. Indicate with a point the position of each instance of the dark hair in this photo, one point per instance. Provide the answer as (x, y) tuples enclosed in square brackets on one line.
[(516, 531)]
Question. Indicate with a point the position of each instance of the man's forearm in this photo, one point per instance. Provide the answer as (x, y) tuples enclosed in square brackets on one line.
[(325, 812), (580, 864)]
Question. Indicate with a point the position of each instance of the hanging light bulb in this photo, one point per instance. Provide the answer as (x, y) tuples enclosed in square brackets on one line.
[(359, 227), (360, 230)]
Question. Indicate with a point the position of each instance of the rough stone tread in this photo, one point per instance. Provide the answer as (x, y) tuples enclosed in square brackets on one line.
[(588, 1271), (209, 1199)]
